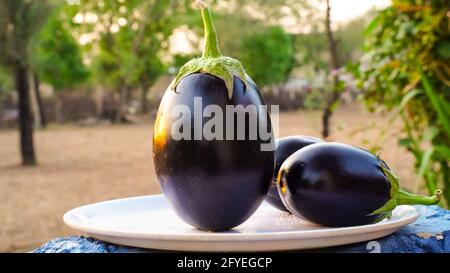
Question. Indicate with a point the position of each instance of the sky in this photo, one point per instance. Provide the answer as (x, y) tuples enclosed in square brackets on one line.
[(344, 10)]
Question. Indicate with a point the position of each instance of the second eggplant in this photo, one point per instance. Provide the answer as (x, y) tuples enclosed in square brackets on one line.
[(285, 147), (334, 184)]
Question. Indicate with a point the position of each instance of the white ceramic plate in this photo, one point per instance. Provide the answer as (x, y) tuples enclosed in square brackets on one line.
[(148, 222)]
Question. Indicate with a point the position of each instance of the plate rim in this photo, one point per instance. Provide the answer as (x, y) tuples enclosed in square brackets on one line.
[(73, 220)]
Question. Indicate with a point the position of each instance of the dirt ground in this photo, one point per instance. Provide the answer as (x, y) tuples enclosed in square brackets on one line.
[(80, 165)]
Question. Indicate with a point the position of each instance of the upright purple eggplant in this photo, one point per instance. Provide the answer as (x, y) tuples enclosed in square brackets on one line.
[(213, 184), (340, 185), (285, 147)]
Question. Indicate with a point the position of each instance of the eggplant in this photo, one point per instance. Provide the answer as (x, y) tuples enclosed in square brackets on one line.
[(285, 147), (334, 184), (212, 184)]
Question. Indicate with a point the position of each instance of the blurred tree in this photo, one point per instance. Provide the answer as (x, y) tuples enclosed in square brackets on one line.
[(265, 50), (6, 86), (133, 36), (5, 82), (267, 55), (406, 68), (57, 58), (335, 64), (350, 37), (19, 21), (299, 18), (313, 54), (250, 29), (328, 51), (312, 49)]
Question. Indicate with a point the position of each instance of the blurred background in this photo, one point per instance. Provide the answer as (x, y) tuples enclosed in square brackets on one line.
[(81, 80)]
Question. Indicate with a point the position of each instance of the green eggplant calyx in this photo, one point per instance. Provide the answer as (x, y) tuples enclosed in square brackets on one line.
[(402, 197), (223, 67), (395, 187), (212, 62)]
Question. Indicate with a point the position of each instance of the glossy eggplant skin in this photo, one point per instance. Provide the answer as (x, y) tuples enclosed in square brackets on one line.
[(213, 185), (334, 184), (285, 147)]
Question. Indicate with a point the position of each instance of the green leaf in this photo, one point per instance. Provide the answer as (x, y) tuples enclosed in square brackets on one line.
[(372, 25), (425, 160), (405, 29), (430, 133), (443, 49), (445, 105), (435, 100), (442, 151), (405, 142), (409, 96), (340, 86), (334, 106)]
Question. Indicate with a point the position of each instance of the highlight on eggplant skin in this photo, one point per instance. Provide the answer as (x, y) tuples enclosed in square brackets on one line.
[(285, 146), (335, 184)]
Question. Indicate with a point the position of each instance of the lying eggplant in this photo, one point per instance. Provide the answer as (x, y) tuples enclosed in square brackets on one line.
[(212, 184), (335, 184), (285, 146)]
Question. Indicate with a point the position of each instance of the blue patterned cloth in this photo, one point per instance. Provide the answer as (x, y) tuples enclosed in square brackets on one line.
[(430, 233)]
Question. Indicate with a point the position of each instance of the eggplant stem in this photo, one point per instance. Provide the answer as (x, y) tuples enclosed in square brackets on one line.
[(212, 62), (405, 198), (402, 197), (212, 44)]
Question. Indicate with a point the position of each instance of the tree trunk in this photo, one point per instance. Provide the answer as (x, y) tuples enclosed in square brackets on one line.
[(99, 100), (144, 101), (58, 108), (326, 115), (40, 103), (25, 115), (329, 106), (123, 95), (34, 105)]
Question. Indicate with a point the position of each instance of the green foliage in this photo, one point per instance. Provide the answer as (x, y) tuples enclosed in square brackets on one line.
[(314, 100), (57, 58), (128, 52), (267, 55), (5, 83), (5, 80), (406, 67), (248, 39), (312, 49), (350, 39), (19, 21)]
